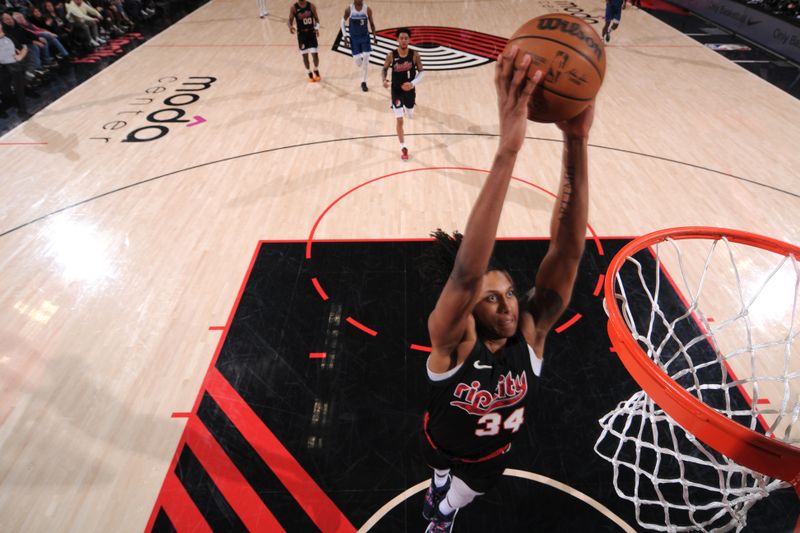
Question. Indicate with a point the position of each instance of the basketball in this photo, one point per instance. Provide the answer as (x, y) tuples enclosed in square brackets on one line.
[(572, 59)]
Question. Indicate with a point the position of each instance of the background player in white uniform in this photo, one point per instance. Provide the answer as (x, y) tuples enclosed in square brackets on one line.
[(358, 14), (407, 72), (478, 317)]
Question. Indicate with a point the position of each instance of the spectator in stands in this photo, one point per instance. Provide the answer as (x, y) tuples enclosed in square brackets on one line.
[(12, 74), (55, 20), (37, 47), (81, 13), (51, 38)]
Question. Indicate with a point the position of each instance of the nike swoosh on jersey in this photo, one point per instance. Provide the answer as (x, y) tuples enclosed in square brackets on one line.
[(479, 366)]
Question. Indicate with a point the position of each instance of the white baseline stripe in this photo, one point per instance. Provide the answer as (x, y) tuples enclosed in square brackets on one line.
[(512, 472)]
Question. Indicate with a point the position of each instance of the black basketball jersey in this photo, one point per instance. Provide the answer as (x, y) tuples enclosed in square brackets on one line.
[(480, 409), (304, 17), (403, 68)]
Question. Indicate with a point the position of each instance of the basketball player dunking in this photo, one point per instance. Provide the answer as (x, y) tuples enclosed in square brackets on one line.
[(407, 72), (358, 14), (487, 344), (305, 14)]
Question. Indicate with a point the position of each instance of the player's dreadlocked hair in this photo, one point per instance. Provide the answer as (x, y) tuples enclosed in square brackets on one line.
[(437, 260)]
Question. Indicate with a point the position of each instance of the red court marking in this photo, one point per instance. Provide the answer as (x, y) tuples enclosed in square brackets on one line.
[(710, 319), (420, 348), (317, 355), (322, 511), (310, 240), (319, 289), (200, 393), (220, 45), (362, 327), (197, 120), (231, 483), (179, 507), (763, 400), (568, 323), (216, 328), (599, 285), (178, 414)]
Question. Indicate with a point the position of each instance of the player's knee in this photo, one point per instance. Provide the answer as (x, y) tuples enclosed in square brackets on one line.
[(358, 60)]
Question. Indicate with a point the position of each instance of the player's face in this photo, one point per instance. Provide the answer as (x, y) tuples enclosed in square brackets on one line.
[(402, 40), (358, 4), (498, 309)]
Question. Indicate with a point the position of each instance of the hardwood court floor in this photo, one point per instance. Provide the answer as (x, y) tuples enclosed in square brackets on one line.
[(117, 257)]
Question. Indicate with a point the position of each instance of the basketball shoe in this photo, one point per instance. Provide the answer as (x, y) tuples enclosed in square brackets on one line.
[(404, 154), (441, 523), (432, 498)]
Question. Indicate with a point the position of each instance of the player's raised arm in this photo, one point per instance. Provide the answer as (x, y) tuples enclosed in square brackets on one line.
[(450, 319), (558, 270)]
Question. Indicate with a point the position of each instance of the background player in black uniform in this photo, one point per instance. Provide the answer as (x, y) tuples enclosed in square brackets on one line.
[(407, 72), (487, 344), (305, 13)]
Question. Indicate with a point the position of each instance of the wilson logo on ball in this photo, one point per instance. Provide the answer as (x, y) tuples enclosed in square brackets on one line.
[(439, 47)]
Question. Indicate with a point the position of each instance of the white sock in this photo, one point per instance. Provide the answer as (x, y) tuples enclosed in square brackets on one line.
[(402, 145), (364, 67), (445, 508), (440, 478)]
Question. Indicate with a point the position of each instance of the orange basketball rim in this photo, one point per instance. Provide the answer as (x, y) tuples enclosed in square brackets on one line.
[(746, 447)]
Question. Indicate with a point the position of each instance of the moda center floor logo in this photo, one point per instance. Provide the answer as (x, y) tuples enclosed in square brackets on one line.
[(440, 47)]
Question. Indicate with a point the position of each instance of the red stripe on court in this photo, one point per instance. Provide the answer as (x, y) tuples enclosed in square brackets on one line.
[(420, 348), (317, 286), (353, 322), (229, 480), (322, 511), (599, 285), (200, 393), (763, 401), (178, 414), (317, 355), (216, 328), (179, 507), (568, 323)]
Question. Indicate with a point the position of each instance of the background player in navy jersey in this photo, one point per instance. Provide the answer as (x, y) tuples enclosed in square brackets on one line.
[(488, 342), (613, 16), (407, 72), (358, 14), (305, 13)]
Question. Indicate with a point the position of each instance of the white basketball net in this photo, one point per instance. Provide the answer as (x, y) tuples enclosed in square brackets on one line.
[(734, 334)]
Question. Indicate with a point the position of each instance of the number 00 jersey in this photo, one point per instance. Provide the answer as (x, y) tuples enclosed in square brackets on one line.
[(304, 17), (480, 406)]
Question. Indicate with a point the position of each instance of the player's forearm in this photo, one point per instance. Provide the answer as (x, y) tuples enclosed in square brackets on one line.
[(481, 230), (384, 73), (571, 212)]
